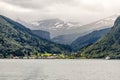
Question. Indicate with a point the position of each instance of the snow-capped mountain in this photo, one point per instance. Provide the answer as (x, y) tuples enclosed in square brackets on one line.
[(55, 26), (85, 29), (58, 27), (106, 22), (97, 25)]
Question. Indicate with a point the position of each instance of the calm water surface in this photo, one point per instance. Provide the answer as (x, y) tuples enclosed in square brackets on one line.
[(59, 69)]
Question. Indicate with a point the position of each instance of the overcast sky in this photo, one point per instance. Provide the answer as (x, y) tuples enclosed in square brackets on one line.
[(83, 11)]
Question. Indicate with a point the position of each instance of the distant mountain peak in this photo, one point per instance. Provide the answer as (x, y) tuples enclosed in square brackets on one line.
[(55, 26)]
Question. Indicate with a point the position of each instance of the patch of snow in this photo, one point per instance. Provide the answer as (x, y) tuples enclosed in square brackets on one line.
[(57, 23), (35, 23)]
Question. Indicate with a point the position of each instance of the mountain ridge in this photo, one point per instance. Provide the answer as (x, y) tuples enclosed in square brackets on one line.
[(109, 45), (88, 39), (18, 40), (72, 27), (60, 30)]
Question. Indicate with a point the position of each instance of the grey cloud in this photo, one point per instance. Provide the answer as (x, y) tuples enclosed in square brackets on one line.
[(37, 4), (78, 10)]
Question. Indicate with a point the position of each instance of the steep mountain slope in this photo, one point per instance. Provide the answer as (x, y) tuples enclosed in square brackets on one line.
[(108, 45), (88, 39), (16, 39), (42, 34)]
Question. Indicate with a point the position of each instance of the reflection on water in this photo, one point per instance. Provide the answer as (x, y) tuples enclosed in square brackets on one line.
[(59, 70)]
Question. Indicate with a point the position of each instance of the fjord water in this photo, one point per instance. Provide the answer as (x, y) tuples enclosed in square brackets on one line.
[(59, 69)]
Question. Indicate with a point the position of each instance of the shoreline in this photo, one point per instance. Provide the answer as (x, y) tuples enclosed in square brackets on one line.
[(58, 59)]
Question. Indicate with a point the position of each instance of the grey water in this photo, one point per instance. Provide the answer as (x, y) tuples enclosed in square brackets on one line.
[(54, 69)]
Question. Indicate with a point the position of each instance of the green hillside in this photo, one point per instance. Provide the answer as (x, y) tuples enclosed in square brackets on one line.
[(18, 40), (109, 45), (88, 39)]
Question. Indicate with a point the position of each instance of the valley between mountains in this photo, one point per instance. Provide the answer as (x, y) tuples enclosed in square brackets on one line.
[(54, 38)]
